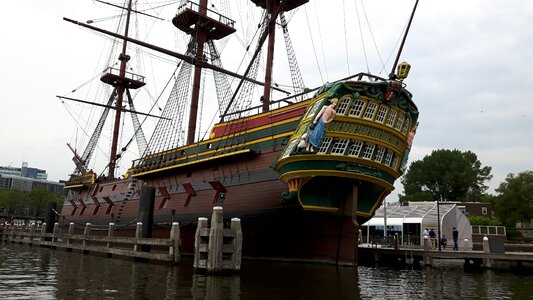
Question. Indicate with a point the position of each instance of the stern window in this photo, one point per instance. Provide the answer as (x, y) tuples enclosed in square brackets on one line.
[(325, 145), (370, 111), (340, 146), (357, 108), (355, 148)]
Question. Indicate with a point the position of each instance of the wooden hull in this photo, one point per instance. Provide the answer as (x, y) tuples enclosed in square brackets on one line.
[(270, 229)]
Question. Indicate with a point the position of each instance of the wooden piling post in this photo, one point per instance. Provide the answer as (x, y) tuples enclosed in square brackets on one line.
[(200, 245), (173, 250), (86, 232), (428, 260), (216, 240), (69, 234), (11, 233), (138, 234), (487, 262), (43, 231), (71, 228), (32, 228), (237, 243), (55, 232), (110, 233)]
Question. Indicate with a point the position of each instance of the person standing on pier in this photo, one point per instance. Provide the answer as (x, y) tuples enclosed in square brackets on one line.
[(455, 235), (432, 238)]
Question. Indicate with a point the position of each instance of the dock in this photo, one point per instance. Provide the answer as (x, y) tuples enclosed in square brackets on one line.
[(491, 257), (110, 245), (217, 249)]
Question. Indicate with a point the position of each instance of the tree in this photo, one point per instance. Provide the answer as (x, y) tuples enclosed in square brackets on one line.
[(515, 200), (12, 201), (39, 198), (15, 202), (449, 175)]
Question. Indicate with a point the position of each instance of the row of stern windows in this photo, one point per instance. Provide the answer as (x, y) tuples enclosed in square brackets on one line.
[(369, 110), (355, 148)]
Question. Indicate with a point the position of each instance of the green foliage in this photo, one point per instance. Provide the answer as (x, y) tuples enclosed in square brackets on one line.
[(32, 203), (515, 200), (449, 175), (480, 220), (416, 196)]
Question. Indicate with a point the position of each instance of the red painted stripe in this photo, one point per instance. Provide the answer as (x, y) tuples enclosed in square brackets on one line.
[(248, 124), (163, 191)]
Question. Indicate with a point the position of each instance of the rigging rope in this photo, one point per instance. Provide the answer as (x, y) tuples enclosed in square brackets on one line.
[(321, 44), (313, 44), (361, 35), (345, 36), (372, 35)]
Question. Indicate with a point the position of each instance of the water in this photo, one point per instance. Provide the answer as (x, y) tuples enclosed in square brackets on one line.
[(40, 273)]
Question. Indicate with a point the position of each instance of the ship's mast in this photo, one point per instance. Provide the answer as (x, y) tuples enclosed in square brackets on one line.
[(273, 8), (123, 57), (194, 20)]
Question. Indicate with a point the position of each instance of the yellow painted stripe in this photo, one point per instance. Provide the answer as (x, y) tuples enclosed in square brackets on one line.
[(320, 208), (73, 186), (340, 158), (331, 173)]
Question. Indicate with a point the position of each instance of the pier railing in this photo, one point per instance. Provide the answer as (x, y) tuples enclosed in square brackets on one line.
[(157, 249)]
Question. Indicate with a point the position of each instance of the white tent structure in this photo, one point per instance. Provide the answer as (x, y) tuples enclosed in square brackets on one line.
[(410, 220)]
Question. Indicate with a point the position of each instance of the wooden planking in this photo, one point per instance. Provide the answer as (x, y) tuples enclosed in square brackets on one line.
[(69, 242)]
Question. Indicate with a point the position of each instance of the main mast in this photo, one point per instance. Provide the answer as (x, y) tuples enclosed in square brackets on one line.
[(193, 19), (273, 8)]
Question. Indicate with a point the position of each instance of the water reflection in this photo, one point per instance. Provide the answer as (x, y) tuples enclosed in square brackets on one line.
[(39, 273)]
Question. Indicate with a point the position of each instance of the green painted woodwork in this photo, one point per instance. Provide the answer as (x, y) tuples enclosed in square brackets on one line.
[(331, 192), (326, 165)]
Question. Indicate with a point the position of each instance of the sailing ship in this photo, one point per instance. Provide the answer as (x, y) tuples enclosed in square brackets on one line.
[(301, 172)]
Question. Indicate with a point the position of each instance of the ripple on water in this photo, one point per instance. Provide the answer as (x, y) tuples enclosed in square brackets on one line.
[(39, 273)]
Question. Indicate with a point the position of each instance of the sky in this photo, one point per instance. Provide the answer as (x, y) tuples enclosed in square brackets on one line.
[(470, 76)]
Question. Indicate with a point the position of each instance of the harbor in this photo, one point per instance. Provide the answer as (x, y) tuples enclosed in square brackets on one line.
[(219, 250), (266, 149)]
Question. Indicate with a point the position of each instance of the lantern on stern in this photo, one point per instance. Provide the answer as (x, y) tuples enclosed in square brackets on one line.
[(403, 70)]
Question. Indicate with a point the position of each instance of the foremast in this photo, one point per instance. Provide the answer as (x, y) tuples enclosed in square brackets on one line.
[(122, 82)]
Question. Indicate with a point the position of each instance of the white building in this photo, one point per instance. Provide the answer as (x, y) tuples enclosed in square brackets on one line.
[(411, 220)]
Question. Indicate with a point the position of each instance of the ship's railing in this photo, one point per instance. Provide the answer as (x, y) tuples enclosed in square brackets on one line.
[(488, 230), (128, 75), (291, 99), (84, 179), (210, 13)]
